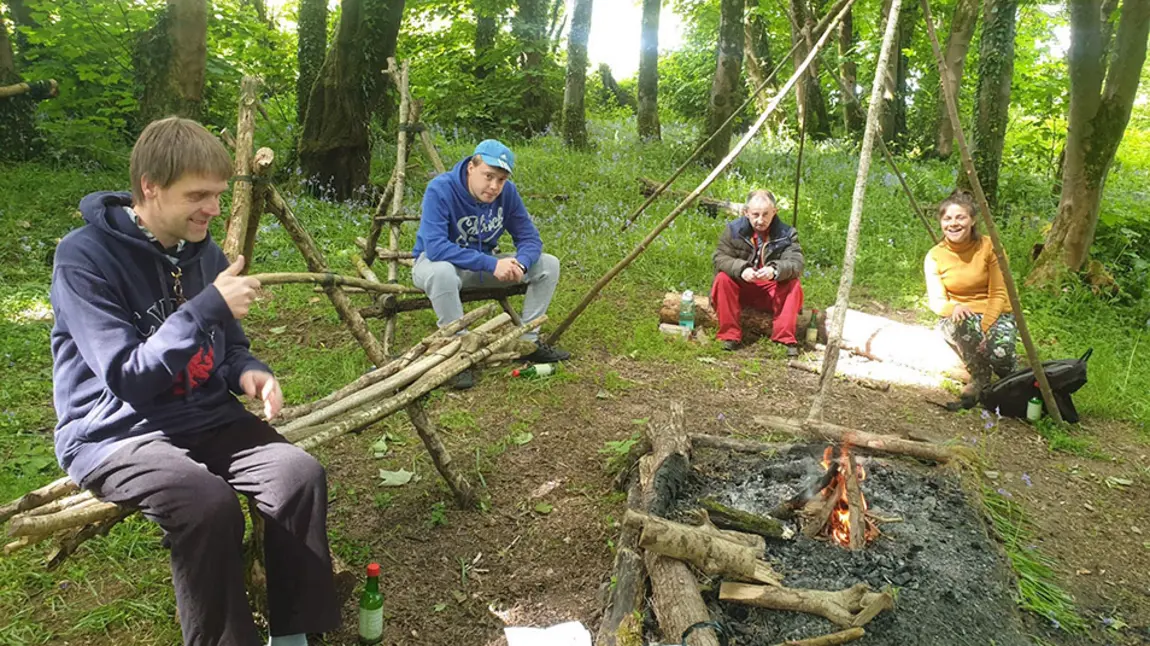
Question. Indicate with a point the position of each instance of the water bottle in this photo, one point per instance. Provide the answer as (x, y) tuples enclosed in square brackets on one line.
[(1033, 409), (687, 310), (813, 329)]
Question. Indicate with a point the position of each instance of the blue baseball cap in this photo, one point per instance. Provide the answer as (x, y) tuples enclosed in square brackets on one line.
[(495, 154)]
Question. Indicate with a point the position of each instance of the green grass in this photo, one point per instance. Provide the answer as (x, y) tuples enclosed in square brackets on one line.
[(300, 335)]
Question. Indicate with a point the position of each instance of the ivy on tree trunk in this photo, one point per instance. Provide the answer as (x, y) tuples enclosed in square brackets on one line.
[(725, 86), (171, 61), (334, 149), (649, 129), (1101, 100), (574, 123), (312, 47)]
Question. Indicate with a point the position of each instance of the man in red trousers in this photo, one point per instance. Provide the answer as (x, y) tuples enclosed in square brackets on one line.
[(758, 264)]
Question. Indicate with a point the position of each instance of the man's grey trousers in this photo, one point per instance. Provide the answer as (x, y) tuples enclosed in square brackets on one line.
[(441, 281)]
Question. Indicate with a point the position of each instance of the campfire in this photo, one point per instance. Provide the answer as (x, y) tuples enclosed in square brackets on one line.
[(837, 508)]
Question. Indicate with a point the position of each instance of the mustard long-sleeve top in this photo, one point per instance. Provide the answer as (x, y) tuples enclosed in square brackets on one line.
[(966, 274)]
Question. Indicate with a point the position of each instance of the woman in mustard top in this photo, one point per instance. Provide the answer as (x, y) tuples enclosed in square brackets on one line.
[(964, 285)]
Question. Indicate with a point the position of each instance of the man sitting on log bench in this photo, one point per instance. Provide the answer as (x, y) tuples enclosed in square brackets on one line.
[(148, 357), (465, 211), (758, 264)]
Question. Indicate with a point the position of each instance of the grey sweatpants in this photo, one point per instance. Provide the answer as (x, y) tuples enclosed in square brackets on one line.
[(441, 281), (187, 484)]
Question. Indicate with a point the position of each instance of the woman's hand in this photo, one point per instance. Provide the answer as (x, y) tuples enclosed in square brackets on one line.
[(961, 313)]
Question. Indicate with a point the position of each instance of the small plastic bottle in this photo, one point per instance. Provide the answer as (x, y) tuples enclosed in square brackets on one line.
[(687, 310), (1034, 409), (537, 371), (371, 608), (813, 329)]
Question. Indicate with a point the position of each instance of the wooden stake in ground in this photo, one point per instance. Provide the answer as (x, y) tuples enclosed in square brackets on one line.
[(399, 76), (242, 186), (852, 607), (461, 488), (988, 222), (842, 302), (261, 167), (714, 174)]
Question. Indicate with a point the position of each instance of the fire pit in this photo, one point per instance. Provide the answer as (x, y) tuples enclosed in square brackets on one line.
[(805, 541)]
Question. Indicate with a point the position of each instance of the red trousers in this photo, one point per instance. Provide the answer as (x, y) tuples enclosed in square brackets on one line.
[(782, 299)]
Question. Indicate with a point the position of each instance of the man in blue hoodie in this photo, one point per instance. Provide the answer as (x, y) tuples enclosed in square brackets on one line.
[(148, 360), (465, 211)]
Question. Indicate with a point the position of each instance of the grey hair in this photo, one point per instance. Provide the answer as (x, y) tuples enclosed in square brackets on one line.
[(762, 193)]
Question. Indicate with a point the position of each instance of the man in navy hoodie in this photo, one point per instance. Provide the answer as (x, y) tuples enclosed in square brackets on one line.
[(465, 211), (148, 359)]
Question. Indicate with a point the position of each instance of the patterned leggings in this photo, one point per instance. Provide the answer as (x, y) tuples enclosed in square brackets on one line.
[(999, 354)]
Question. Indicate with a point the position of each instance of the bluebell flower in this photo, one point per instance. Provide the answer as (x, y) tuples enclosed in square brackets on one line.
[(1004, 493), (1026, 479)]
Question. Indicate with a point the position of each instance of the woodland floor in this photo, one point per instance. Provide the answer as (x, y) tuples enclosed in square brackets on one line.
[(454, 577)]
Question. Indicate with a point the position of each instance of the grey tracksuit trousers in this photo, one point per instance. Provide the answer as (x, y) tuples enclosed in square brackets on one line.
[(441, 281), (187, 484)]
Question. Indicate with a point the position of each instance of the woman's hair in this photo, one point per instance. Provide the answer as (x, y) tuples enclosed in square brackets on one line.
[(964, 199)]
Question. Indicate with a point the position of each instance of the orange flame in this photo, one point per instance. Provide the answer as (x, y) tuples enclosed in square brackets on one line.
[(839, 523)]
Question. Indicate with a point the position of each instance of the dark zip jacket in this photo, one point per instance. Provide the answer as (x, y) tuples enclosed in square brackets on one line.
[(737, 250), (129, 360)]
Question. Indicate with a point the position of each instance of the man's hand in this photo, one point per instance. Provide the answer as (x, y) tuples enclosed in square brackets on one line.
[(748, 275), (766, 273), (508, 270), (261, 385), (238, 291), (961, 313)]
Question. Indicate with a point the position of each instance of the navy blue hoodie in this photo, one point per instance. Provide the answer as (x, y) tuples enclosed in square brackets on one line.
[(456, 228), (129, 360)]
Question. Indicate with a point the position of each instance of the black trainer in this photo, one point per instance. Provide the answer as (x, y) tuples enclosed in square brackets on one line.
[(792, 351), (546, 354), (731, 345), (463, 380)]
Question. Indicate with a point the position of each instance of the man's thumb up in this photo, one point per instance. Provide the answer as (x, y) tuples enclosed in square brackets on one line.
[(235, 268)]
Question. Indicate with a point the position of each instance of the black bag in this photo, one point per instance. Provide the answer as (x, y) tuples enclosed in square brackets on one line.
[(1010, 395)]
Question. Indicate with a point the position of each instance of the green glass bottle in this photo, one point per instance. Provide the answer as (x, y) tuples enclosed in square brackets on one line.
[(536, 371), (813, 329), (371, 608)]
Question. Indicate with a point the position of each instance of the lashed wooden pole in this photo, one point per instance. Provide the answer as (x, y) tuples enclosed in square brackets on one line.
[(988, 222), (690, 199), (842, 302), (401, 77), (242, 190), (820, 28)]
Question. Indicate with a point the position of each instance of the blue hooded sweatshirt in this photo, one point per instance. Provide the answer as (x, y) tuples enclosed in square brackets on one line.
[(456, 228), (130, 361)]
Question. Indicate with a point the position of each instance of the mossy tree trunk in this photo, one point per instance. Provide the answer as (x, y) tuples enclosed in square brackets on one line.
[(649, 129), (725, 86), (171, 62), (853, 117), (486, 28), (1102, 92), (18, 138), (529, 27), (310, 52), (574, 124), (334, 149), (992, 105), (757, 53), (812, 105), (957, 44)]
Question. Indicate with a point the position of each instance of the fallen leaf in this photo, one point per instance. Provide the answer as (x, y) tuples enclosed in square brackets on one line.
[(639, 421), (380, 448), (459, 595), (24, 223), (1118, 483), (522, 437), (1088, 506), (603, 394), (439, 607), (708, 359), (543, 508), (279, 329), (395, 478), (545, 488)]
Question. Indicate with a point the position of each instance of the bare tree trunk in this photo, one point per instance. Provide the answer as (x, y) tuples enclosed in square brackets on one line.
[(1098, 117), (310, 53), (334, 149), (957, 44), (574, 124), (992, 106), (555, 25), (757, 53), (728, 71), (894, 92), (853, 117), (18, 137), (530, 28), (812, 106), (486, 28), (649, 72), (171, 61)]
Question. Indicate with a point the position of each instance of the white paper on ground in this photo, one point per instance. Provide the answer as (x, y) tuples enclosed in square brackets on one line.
[(571, 633)]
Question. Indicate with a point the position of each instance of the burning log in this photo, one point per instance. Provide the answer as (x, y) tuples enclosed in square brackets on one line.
[(786, 510), (743, 521), (840, 509), (850, 608), (818, 512), (712, 553), (861, 439), (855, 504), (833, 639)]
